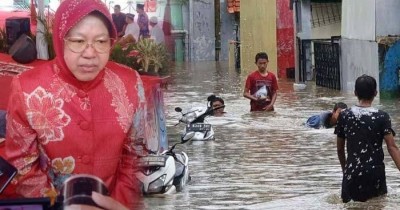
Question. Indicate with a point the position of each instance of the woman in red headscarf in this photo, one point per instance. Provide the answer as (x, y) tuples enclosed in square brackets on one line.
[(78, 114)]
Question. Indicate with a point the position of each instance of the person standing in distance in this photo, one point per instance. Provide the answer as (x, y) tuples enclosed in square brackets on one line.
[(131, 34), (261, 86), (118, 19), (143, 21), (156, 32), (363, 128)]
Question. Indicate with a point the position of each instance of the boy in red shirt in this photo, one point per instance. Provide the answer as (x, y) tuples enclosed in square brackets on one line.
[(261, 86)]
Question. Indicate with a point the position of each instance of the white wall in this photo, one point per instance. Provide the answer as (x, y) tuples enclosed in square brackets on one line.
[(304, 16), (387, 17), (358, 57), (203, 34), (325, 32), (358, 19)]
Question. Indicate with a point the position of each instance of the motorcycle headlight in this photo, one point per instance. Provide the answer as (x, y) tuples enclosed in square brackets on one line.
[(157, 185)]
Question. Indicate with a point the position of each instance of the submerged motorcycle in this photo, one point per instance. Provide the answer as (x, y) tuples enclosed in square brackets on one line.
[(164, 173), (196, 129)]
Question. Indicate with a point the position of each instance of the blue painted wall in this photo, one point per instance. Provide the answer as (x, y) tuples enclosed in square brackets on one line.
[(389, 65)]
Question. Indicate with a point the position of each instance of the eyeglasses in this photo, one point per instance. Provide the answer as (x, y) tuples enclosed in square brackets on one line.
[(78, 45)]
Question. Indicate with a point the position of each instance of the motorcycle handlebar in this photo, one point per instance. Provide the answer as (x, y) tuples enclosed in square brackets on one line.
[(200, 118), (189, 112)]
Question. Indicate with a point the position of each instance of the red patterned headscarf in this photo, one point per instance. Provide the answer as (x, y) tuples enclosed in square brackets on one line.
[(68, 14)]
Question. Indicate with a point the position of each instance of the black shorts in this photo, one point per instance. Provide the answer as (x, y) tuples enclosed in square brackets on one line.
[(371, 183)]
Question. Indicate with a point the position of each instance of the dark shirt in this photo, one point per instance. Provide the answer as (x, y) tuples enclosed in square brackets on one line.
[(119, 21), (363, 130)]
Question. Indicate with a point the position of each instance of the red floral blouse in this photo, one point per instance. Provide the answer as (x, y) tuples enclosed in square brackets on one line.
[(56, 128)]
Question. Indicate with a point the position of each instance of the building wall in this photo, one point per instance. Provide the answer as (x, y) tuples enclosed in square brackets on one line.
[(365, 23), (258, 33), (202, 37), (359, 50), (358, 57), (358, 19), (227, 33), (387, 35), (387, 11), (326, 32), (389, 64), (285, 37), (326, 20), (303, 29), (304, 16)]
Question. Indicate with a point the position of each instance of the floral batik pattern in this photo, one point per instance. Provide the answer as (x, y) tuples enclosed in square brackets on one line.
[(62, 169), (120, 100), (46, 116)]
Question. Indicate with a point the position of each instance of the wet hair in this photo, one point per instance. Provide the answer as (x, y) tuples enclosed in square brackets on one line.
[(261, 55), (365, 87), (213, 98), (339, 105), (117, 6)]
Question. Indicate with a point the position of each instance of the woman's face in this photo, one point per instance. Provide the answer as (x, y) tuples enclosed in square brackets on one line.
[(218, 112), (86, 65)]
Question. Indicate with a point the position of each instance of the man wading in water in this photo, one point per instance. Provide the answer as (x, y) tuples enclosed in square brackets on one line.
[(364, 128)]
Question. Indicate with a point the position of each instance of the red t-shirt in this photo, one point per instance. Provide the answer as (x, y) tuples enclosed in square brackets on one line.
[(255, 81)]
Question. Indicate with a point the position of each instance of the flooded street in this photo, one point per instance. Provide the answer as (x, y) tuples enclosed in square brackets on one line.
[(263, 160)]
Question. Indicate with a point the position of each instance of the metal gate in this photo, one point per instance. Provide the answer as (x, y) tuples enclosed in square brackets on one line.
[(304, 46), (327, 65)]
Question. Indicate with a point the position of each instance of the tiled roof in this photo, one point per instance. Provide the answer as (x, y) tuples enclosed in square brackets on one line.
[(233, 6)]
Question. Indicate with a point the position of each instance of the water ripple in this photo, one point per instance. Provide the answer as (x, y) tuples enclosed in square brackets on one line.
[(262, 160)]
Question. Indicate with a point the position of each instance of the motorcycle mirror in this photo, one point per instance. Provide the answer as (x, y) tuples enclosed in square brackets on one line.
[(178, 109)]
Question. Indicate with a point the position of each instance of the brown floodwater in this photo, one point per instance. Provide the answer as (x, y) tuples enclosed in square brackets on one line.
[(262, 160)]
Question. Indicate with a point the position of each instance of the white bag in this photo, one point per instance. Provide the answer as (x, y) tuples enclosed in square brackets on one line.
[(262, 93)]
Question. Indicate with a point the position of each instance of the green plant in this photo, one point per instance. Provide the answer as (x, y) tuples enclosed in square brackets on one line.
[(146, 48), (122, 55), (48, 35), (151, 54), (144, 56), (160, 57)]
